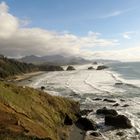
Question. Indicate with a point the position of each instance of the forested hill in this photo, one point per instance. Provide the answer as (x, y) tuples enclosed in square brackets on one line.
[(11, 67)]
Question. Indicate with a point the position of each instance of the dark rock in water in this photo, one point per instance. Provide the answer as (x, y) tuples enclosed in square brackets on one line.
[(95, 134), (120, 133), (69, 68), (126, 105), (68, 120), (74, 94), (109, 100), (105, 111), (85, 112), (90, 68), (116, 104), (119, 121), (97, 99), (122, 100), (86, 124), (101, 67), (119, 83), (42, 88)]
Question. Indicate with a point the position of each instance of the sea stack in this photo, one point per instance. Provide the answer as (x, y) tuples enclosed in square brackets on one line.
[(70, 68)]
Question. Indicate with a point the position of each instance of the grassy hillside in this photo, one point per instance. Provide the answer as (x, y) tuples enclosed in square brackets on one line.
[(10, 67), (28, 114)]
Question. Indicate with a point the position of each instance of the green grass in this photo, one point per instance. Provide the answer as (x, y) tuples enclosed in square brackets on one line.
[(39, 113)]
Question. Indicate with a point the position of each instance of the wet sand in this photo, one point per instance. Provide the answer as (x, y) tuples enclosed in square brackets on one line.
[(76, 133), (26, 76), (25, 79)]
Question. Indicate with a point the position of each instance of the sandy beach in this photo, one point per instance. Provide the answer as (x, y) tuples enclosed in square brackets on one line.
[(25, 79), (86, 85)]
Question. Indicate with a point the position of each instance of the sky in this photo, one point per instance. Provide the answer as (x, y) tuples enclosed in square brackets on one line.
[(107, 29)]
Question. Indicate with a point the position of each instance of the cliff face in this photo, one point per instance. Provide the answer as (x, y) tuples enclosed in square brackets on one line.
[(26, 113)]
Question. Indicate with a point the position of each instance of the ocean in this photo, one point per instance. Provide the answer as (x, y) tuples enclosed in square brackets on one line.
[(120, 82)]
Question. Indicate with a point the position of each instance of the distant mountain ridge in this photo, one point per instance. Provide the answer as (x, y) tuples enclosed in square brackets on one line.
[(54, 59)]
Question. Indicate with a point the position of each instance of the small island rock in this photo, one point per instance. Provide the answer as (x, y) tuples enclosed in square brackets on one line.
[(101, 67), (90, 68), (69, 68)]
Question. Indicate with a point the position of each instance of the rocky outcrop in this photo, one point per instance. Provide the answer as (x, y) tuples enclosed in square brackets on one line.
[(125, 105), (109, 100), (68, 120), (97, 99), (117, 104), (42, 88), (119, 83), (120, 134), (101, 67), (90, 68), (70, 68), (122, 100), (95, 134), (105, 111), (86, 124), (119, 121), (26, 113)]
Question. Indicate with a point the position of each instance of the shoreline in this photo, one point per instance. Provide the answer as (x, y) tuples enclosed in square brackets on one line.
[(25, 79), (75, 133), (27, 76)]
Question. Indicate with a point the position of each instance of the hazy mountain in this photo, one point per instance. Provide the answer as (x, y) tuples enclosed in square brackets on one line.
[(54, 59)]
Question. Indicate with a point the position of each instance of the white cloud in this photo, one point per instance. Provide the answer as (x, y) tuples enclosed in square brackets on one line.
[(8, 23), (129, 54), (3, 7), (16, 40), (128, 35), (24, 22)]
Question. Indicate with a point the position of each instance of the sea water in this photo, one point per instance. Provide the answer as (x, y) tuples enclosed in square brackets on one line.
[(119, 81)]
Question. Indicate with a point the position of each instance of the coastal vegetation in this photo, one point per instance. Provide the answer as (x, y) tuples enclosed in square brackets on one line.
[(26, 113), (11, 67), (30, 114), (45, 67)]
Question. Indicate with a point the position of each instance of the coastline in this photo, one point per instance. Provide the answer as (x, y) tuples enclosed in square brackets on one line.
[(26, 113), (90, 81), (22, 77), (27, 78), (75, 133)]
